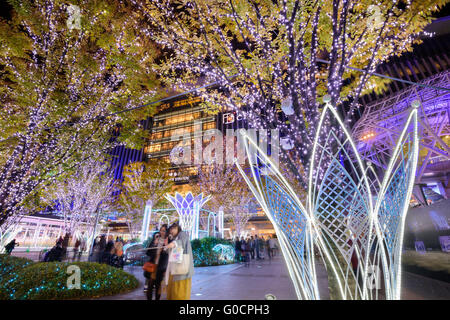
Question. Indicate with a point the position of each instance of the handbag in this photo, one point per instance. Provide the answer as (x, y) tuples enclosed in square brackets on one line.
[(179, 262), (181, 268), (149, 267)]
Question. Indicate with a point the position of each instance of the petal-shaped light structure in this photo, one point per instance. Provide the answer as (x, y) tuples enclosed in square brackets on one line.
[(355, 234), (188, 208)]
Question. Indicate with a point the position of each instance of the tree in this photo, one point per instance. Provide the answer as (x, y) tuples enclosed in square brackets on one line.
[(228, 191), (80, 195), (142, 182), (268, 55), (239, 217), (61, 78)]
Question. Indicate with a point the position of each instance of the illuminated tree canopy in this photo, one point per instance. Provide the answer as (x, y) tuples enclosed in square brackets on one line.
[(142, 182), (59, 82), (266, 56)]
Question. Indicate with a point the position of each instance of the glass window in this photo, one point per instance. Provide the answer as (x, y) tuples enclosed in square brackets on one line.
[(209, 125)]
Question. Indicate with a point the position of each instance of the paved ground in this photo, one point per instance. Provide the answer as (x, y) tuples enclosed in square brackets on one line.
[(227, 282), (416, 287), (252, 283)]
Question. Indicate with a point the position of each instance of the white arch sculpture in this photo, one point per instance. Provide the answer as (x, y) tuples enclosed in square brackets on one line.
[(188, 209)]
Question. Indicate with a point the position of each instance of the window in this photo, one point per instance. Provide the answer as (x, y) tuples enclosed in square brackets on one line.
[(209, 125), (154, 148)]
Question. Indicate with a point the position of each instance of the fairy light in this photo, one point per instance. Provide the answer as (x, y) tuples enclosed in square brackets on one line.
[(282, 67), (54, 133), (228, 191), (81, 195)]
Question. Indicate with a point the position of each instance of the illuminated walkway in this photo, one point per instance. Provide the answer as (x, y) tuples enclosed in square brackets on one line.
[(233, 282), (238, 282)]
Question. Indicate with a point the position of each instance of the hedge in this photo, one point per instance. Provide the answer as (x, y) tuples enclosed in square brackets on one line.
[(48, 281), (9, 264)]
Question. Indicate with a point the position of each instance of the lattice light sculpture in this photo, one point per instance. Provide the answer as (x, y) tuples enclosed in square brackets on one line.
[(188, 208), (354, 221)]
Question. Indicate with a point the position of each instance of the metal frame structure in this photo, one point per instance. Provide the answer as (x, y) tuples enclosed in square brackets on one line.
[(341, 217), (380, 125)]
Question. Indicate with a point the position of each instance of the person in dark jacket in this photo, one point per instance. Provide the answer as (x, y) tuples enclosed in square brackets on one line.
[(55, 254), (99, 248), (10, 246), (65, 244), (107, 253), (257, 248), (160, 258), (252, 247), (237, 249)]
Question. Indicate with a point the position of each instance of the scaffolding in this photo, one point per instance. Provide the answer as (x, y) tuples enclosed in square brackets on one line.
[(379, 128)]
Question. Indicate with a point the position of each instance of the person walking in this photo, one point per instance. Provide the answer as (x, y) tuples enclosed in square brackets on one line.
[(107, 253), (237, 249), (262, 246), (55, 254), (160, 258), (10, 246), (277, 245), (65, 245), (247, 252), (267, 247), (252, 247), (117, 254), (100, 248), (179, 285), (271, 246), (76, 248), (83, 246), (243, 249), (257, 247)]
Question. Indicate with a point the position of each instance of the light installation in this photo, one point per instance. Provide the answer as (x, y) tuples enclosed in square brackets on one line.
[(225, 251), (353, 221), (146, 220), (188, 209)]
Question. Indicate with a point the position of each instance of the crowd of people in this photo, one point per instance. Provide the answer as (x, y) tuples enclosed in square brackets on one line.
[(109, 251), (60, 252), (161, 271), (254, 247)]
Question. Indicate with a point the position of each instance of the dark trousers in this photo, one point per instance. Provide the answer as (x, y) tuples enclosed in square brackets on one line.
[(155, 284), (237, 255), (257, 253), (252, 253), (76, 254)]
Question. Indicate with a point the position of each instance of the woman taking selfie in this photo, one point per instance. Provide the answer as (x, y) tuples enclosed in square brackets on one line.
[(157, 263), (181, 265)]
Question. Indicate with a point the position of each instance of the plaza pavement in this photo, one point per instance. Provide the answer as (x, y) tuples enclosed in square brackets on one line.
[(238, 282)]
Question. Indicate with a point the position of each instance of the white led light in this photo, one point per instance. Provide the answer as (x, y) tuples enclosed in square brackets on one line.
[(359, 217)]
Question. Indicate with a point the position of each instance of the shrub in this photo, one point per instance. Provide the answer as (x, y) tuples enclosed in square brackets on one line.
[(10, 264), (48, 281), (202, 250)]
